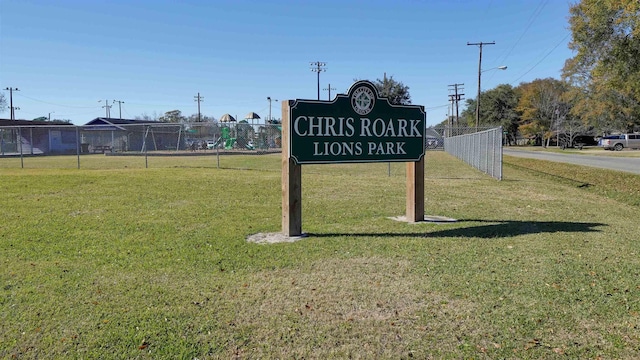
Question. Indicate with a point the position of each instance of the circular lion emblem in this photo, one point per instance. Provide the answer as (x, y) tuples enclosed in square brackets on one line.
[(363, 100)]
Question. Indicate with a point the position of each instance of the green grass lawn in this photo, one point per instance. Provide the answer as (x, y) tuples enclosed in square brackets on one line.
[(118, 261)]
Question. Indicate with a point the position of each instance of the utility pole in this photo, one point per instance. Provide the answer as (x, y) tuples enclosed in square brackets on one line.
[(480, 44), (449, 128), (50, 115), (119, 106), (12, 114), (198, 98), (456, 98), (329, 88), (318, 67), (106, 108)]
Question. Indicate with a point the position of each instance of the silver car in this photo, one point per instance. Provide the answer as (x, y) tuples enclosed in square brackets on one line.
[(619, 142)]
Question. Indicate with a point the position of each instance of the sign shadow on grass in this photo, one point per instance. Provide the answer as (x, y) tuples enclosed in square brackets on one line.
[(491, 229)]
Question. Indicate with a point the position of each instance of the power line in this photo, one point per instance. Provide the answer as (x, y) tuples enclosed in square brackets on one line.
[(436, 107), (534, 15), (50, 103), (544, 57)]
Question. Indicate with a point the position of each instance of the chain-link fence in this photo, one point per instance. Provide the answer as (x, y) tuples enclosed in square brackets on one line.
[(126, 144), (479, 148), (28, 142)]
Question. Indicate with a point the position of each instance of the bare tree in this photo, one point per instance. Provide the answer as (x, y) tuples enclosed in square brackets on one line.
[(3, 103)]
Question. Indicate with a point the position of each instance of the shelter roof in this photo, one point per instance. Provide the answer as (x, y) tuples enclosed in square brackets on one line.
[(9, 122), (103, 123)]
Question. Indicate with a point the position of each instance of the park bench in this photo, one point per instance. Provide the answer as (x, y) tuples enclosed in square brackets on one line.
[(101, 148)]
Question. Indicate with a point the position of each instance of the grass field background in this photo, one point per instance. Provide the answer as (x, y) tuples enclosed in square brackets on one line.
[(118, 261)]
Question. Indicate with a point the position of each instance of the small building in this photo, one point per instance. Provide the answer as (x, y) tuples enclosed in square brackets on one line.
[(33, 137), (100, 135)]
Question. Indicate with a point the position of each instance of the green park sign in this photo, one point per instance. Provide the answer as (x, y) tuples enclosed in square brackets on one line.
[(356, 127)]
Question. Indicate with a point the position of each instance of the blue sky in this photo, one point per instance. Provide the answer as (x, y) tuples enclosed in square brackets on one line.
[(66, 55)]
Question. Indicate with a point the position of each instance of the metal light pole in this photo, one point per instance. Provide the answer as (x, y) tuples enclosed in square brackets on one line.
[(119, 106), (318, 67), (53, 112), (269, 100)]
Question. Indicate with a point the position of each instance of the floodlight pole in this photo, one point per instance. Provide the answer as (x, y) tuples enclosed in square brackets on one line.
[(119, 106), (318, 67), (269, 99)]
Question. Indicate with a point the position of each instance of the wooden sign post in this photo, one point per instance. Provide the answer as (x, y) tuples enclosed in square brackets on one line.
[(291, 183), (357, 127)]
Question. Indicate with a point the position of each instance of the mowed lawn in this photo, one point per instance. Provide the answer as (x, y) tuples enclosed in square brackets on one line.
[(123, 262)]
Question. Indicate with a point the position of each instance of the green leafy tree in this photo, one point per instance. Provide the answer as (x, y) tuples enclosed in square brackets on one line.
[(203, 118), (468, 115), (498, 107), (173, 116), (53, 121), (501, 109), (539, 105), (606, 39), (395, 91), (3, 103), (147, 117), (61, 121)]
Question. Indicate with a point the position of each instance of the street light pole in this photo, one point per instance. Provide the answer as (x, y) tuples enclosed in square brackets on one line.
[(53, 112)]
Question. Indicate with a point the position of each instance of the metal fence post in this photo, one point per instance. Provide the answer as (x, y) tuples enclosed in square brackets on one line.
[(78, 145), (20, 140)]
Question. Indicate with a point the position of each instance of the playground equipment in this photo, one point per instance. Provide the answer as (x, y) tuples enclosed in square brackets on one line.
[(225, 138)]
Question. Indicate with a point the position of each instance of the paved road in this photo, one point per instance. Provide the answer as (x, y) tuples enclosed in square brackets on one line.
[(626, 164)]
